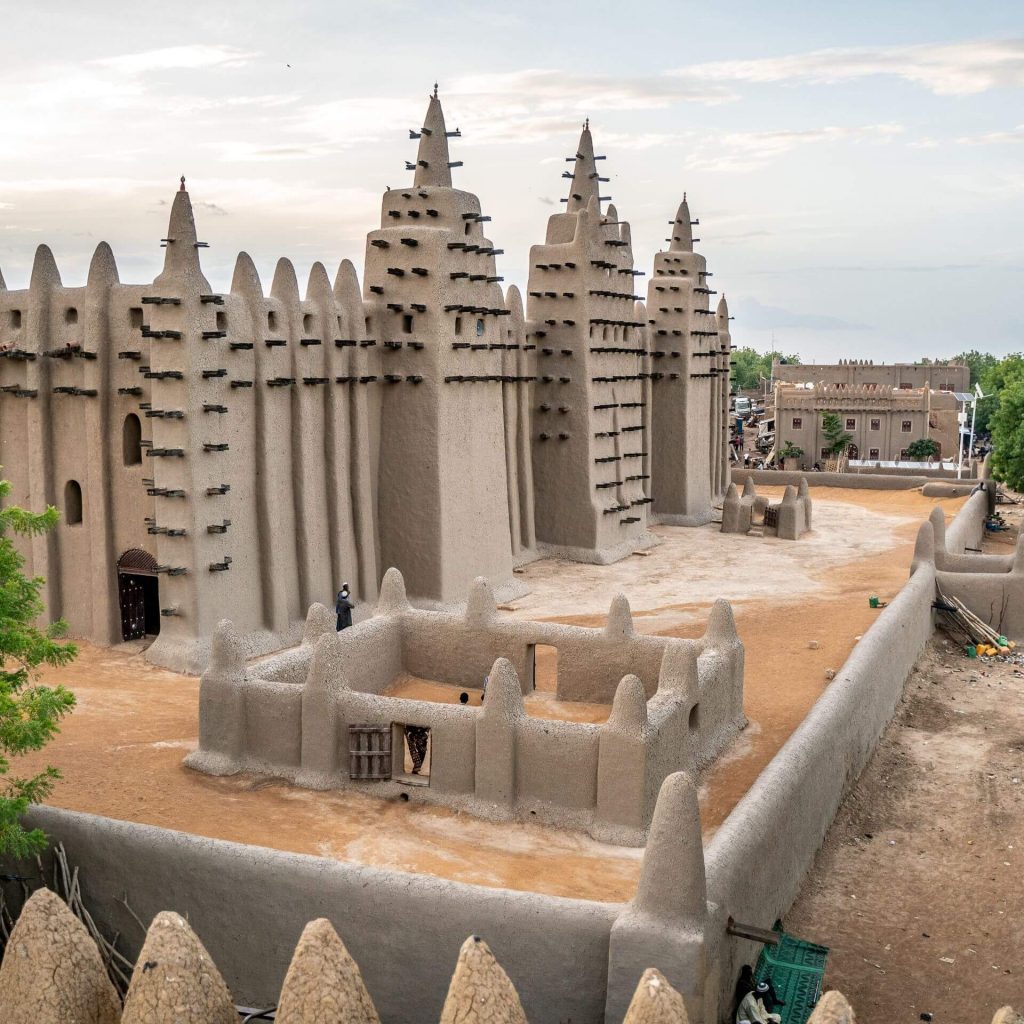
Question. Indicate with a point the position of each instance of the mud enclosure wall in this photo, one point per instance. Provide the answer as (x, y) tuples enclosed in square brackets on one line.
[(867, 481), (249, 905), (758, 858), (676, 705)]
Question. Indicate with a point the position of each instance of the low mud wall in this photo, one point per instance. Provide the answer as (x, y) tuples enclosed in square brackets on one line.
[(249, 905), (758, 858), (867, 481), (964, 534)]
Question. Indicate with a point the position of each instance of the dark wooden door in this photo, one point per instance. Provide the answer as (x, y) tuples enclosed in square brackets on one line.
[(132, 597)]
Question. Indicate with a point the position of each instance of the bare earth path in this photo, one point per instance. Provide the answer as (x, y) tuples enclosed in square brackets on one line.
[(918, 888), (121, 751)]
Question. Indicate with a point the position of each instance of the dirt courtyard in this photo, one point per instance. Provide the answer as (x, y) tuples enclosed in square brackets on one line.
[(121, 751)]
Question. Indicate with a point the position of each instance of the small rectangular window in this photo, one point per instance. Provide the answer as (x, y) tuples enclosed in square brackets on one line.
[(906, 427), (851, 423), (458, 325), (873, 453), (15, 319), (825, 453), (222, 321), (876, 424), (407, 323), (135, 316), (797, 422)]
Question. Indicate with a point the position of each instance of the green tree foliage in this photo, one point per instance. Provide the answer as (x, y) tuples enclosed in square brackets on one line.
[(752, 365), (29, 712), (979, 362), (993, 382), (923, 448), (791, 451), (1008, 434), (832, 429)]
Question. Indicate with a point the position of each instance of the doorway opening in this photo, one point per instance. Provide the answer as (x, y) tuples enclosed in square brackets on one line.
[(542, 660), (410, 754), (138, 594)]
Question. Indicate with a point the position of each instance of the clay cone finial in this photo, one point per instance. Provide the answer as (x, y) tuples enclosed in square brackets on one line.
[(749, 490), (832, 1008), (585, 188), (432, 158), (721, 628), (227, 654), (323, 984), (480, 604), (504, 691), (481, 992), (682, 232), (620, 618), (1006, 1015), (52, 972), (181, 259), (319, 620), (655, 1001), (392, 594), (175, 979), (629, 708)]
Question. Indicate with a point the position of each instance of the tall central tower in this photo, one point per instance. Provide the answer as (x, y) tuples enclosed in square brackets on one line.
[(436, 310), (591, 452)]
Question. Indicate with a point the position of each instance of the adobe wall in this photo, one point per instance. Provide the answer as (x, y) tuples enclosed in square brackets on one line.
[(790, 807), (249, 905), (865, 481)]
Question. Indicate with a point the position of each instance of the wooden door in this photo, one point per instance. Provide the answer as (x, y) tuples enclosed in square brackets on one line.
[(369, 752), (132, 598)]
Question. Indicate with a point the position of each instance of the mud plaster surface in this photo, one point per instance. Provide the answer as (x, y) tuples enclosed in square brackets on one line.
[(121, 751)]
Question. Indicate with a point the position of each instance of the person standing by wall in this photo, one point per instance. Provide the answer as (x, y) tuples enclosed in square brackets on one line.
[(343, 608)]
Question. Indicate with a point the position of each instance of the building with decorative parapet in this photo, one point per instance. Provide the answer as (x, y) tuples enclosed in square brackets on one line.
[(246, 453), (947, 376), (883, 420)]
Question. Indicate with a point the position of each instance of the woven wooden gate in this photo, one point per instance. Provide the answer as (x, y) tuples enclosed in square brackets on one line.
[(771, 516), (369, 752)]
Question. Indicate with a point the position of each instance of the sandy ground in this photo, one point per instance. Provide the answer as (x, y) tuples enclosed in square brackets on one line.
[(121, 751)]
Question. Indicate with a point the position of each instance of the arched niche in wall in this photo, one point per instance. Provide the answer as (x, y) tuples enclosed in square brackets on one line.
[(72, 503), (131, 440)]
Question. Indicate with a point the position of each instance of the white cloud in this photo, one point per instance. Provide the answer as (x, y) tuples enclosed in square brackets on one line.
[(988, 138), (198, 55), (746, 151), (946, 69)]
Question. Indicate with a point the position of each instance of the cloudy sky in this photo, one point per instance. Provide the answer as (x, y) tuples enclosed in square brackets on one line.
[(858, 169)]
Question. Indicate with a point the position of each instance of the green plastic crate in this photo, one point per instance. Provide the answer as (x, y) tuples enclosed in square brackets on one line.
[(796, 968)]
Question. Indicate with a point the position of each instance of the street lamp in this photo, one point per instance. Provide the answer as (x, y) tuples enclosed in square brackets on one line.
[(961, 418)]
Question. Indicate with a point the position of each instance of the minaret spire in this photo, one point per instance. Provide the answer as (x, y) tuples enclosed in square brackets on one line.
[(584, 179), (432, 164), (682, 230), (181, 262)]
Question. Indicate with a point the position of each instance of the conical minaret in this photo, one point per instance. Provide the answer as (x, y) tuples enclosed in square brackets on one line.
[(435, 315), (432, 163), (590, 447), (181, 257), (688, 411), (682, 229), (585, 179)]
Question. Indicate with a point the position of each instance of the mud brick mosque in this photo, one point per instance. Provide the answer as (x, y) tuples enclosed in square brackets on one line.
[(250, 452)]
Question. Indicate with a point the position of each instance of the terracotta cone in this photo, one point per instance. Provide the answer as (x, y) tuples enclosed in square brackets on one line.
[(176, 980), (481, 992), (655, 1001), (52, 972), (833, 1008), (323, 984)]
